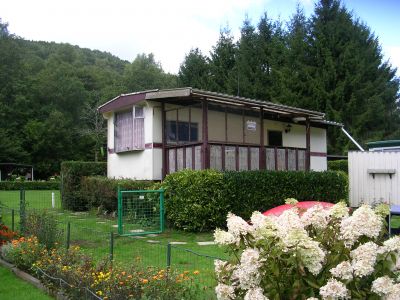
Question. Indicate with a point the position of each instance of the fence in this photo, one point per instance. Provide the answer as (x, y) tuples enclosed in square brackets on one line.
[(101, 241)]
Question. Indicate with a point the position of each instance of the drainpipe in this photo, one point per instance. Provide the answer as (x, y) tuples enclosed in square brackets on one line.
[(352, 139)]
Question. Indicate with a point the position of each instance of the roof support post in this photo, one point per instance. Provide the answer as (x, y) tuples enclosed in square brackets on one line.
[(262, 147), (206, 158), (163, 141), (308, 145)]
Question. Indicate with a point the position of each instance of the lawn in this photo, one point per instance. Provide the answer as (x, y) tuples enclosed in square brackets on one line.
[(14, 288)]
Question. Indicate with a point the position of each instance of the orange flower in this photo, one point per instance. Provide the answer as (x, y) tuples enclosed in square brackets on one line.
[(197, 272), (145, 281)]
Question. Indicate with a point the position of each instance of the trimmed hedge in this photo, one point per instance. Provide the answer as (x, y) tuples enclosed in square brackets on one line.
[(339, 165), (200, 200), (29, 185), (98, 191), (72, 173)]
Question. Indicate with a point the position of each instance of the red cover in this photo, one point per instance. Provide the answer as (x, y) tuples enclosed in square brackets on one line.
[(303, 205)]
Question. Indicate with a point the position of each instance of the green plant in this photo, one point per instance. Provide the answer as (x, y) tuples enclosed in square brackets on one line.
[(44, 226), (100, 191), (72, 173), (23, 252), (339, 165), (324, 253), (29, 185), (200, 200)]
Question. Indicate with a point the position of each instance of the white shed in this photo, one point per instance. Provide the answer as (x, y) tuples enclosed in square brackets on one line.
[(374, 177)]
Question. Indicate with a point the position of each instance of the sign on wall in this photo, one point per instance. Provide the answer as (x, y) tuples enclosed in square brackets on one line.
[(251, 125)]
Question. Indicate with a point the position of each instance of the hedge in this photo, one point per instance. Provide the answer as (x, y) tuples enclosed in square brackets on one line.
[(72, 173), (29, 185), (339, 165), (97, 191), (200, 200)]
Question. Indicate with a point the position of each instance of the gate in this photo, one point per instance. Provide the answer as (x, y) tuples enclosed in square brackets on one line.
[(140, 212)]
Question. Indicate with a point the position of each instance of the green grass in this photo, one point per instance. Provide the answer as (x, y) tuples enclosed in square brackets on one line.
[(14, 288)]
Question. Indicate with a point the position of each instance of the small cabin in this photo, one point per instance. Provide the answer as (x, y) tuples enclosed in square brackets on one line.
[(157, 132)]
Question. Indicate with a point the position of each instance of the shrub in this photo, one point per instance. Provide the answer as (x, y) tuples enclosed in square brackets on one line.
[(318, 253), (44, 226), (6, 234), (29, 185), (339, 165), (200, 200), (71, 176), (111, 282), (98, 191), (23, 252)]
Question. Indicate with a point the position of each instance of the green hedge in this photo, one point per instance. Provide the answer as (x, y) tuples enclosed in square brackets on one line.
[(339, 165), (29, 185), (98, 191), (200, 200), (72, 173)]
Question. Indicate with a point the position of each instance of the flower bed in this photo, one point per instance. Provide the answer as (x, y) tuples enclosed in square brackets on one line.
[(321, 253)]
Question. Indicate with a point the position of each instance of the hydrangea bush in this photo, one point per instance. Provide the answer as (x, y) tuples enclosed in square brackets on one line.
[(314, 254)]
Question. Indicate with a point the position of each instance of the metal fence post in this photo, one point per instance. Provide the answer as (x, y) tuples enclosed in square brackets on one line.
[(120, 230), (68, 235), (111, 246), (12, 220), (168, 255), (162, 216), (22, 207)]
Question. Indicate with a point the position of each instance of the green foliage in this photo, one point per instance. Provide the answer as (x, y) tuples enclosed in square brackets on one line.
[(72, 173), (200, 200), (44, 226), (98, 191), (29, 185), (339, 165), (195, 70)]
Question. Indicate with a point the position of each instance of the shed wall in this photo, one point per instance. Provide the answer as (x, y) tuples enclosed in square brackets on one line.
[(364, 188)]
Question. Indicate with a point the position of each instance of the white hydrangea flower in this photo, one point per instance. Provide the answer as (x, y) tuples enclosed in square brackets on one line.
[(317, 216), (344, 271), (339, 210), (310, 251), (382, 210), (222, 237), (395, 293), (312, 298), (364, 259), (255, 294), (334, 290), (291, 201), (363, 222), (237, 226), (391, 245), (219, 266), (225, 292), (287, 221), (247, 276), (250, 258), (382, 286), (258, 220)]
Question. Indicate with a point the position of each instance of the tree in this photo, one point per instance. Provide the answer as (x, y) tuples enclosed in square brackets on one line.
[(351, 82), (195, 70), (145, 73), (222, 64)]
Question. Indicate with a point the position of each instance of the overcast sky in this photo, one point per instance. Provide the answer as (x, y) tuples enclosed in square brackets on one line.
[(170, 28)]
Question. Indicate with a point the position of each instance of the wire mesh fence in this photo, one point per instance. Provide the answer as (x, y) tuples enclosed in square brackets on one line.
[(97, 234)]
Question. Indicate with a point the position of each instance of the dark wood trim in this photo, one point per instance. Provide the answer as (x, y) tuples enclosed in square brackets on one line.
[(206, 157), (286, 159), (176, 159), (177, 126), (164, 164), (243, 128), (297, 159), (308, 144), (173, 146), (276, 158), (190, 124), (184, 158), (262, 159), (226, 125), (153, 145), (237, 157), (193, 158), (319, 154), (248, 158), (223, 157)]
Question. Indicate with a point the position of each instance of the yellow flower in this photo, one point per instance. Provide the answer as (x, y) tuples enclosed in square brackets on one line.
[(197, 272), (99, 293)]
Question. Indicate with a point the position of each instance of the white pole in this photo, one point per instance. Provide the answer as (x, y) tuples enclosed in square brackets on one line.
[(351, 138), (53, 202)]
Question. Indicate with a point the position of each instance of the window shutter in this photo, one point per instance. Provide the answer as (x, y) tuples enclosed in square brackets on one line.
[(123, 131)]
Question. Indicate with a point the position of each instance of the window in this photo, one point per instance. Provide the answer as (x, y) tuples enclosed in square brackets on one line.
[(274, 138), (129, 130), (183, 132)]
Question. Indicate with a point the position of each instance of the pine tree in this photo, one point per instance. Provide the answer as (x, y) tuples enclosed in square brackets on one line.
[(195, 71)]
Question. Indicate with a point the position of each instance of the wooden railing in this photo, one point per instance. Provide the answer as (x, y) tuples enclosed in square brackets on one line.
[(234, 157)]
